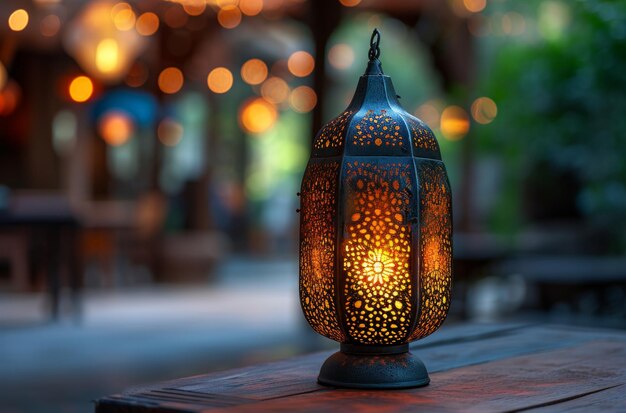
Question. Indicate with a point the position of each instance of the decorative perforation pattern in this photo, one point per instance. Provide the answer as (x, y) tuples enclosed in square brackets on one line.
[(333, 133), (377, 252), (423, 138), (377, 129), (318, 248), (435, 248)]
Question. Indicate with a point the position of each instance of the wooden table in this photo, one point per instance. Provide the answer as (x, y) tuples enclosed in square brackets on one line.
[(473, 368)]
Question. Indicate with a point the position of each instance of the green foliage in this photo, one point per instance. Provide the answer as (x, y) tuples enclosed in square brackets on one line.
[(562, 102)]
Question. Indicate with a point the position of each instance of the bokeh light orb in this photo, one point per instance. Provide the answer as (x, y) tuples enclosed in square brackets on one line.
[(254, 71), (303, 99), (171, 80), (50, 25), (18, 20), (170, 132), (275, 90), (257, 115), (350, 3), (147, 24), (251, 7), (229, 17), (484, 110), (116, 127), (454, 123), (81, 89), (301, 63), (220, 80), (341, 56)]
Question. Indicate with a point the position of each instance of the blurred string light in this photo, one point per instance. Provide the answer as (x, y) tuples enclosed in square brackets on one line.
[(116, 127), (454, 123), (484, 110), (171, 80), (147, 24), (257, 115), (80, 89), (123, 16), (220, 80), (301, 63), (229, 17), (475, 6), (18, 20), (275, 90), (194, 7), (429, 114), (341, 56), (302, 99), (9, 98), (50, 25), (138, 75), (254, 71), (251, 7), (107, 55), (350, 3), (170, 132)]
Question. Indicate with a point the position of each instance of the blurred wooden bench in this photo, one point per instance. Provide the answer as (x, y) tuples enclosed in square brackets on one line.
[(473, 368)]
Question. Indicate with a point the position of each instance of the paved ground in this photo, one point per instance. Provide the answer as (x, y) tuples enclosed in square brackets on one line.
[(128, 337)]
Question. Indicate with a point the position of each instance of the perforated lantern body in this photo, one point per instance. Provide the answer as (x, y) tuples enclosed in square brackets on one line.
[(375, 223)]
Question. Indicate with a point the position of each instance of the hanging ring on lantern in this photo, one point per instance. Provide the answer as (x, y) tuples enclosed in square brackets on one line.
[(374, 52)]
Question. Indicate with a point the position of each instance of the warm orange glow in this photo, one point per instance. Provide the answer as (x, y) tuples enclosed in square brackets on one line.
[(251, 7), (454, 122), (116, 128), (258, 115), (170, 132), (428, 114), (341, 56), (254, 71), (147, 24), (123, 17), (484, 110), (301, 63), (107, 55), (303, 99), (9, 98), (350, 3), (175, 17), (229, 17), (475, 6), (275, 90), (81, 89), (18, 20), (50, 25), (194, 7), (171, 80), (220, 80)]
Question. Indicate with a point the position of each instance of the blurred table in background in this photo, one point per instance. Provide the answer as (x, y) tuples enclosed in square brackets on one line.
[(473, 367)]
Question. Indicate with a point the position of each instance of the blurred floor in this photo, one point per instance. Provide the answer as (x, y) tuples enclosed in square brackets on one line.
[(127, 337)]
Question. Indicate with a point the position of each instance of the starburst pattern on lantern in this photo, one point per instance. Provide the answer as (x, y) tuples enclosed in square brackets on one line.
[(423, 138), (378, 129), (376, 260), (331, 136)]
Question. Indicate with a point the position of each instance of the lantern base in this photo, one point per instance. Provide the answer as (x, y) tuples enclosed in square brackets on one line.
[(373, 367)]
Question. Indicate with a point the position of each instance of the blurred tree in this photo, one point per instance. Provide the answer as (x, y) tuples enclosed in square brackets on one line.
[(561, 126)]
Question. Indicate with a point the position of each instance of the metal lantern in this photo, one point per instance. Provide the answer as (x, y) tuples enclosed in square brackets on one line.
[(375, 237)]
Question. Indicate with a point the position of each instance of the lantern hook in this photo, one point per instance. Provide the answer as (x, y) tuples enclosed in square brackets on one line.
[(374, 52)]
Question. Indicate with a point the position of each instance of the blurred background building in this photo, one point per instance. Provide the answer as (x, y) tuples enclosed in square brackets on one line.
[(151, 152)]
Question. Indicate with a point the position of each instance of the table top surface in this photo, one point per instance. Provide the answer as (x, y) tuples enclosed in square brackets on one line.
[(473, 368)]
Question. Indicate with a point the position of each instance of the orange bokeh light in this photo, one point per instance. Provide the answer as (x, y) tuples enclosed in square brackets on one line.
[(475, 6), (251, 7), (116, 128), (123, 17), (18, 20), (303, 99), (258, 115), (194, 7), (254, 71), (147, 24), (170, 132), (341, 56), (50, 25), (301, 63), (171, 80), (220, 80), (229, 17), (454, 123), (275, 90), (81, 89), (484, 110), (350, 3)]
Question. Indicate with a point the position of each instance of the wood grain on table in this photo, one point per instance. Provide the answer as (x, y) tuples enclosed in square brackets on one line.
[(473, 368)]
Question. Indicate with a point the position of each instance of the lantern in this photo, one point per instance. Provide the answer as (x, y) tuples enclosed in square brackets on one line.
[(375, 237)]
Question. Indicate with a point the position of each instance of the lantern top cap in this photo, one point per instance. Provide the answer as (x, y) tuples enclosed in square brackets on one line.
[(374, 68)]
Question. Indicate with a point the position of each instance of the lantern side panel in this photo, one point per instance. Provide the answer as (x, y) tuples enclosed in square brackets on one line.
[(377, 292), (435, 240), (425, 144), (331, 137), (318, 247)]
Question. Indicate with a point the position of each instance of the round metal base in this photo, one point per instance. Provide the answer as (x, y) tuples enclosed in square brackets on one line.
[(359, 367)]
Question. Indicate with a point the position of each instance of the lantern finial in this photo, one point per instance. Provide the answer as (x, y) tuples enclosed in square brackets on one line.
[(374, 52)]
